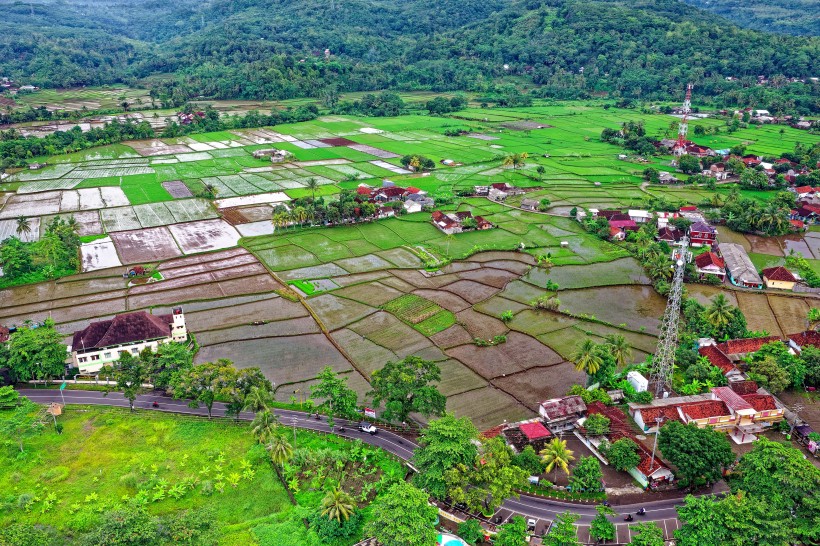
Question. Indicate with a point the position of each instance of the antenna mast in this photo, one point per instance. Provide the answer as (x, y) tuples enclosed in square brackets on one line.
[(683, 126), (663, 362)]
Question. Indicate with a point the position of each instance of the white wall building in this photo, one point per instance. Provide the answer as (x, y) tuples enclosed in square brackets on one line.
[(101, 343)]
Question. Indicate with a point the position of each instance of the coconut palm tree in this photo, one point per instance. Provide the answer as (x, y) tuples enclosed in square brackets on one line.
[(23, 226), (312, 184), (300, 214), (338, 505), (556, 455), (659, 267), (258, 399), (586, 357), (619, 348), (263, 426), (720, 312), (281, 452)]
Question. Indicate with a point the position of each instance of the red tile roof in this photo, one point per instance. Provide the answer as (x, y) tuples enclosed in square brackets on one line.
[(732, 400), (127, 328), (717, 357), (562, 407), (804, 189), (669, 413), (703, 410), (623, 224), (799, 224), (745, 346), (760, 402), (412, 189), (779, 273), (534, 431), (689, 208), (809, 338), (493, 432), (744, 387), (364, 190), (709, 258), (670, 233)]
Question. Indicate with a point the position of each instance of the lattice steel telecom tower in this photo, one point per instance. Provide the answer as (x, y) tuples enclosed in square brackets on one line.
[(683, 126), (663, 363)]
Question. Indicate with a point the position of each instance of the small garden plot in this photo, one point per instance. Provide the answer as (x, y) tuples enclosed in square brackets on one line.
[(238, 185), (47, 185), (533, 386), (37, 204), (401, 257), (145, 245), (255, 229), (374, 293), (759, 315), (274, 197), (292, 327), (191, 210), (451, 337), (8, 228), (177, 189), (205, 235), (298, 358), (497, 305), (47, 174), (362, 264), (153, 215), (100, 254), (639, 307), (309, 288), (390, 167), (368, 356), (119, 219), (88, 222), (487, 407), (336, 312), (457, 378), (274, 310), (412, 308), (382, 154), (385, 330)]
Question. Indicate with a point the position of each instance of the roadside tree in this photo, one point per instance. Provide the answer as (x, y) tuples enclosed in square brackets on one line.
[(512, 533), (25, 421), (36, 353), (203, 383), (402, 516), (600, 527), (623, 454), (445, 443), (563, 531), (587, 475), (408, 386), (646, 534), (698, 454), (338, 398)]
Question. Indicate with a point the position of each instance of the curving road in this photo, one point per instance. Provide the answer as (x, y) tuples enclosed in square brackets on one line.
[(544, 510)]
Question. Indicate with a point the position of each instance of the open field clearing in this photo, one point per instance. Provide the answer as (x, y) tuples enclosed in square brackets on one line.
[(100, 254)]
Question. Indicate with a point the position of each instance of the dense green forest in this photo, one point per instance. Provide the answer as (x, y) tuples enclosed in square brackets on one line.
[(275, 49), (783, 16)]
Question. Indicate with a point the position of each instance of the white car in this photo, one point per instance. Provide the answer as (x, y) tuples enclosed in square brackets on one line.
[(364, 426), (531, 524)]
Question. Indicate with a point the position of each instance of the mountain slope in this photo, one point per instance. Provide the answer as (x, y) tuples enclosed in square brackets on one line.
[(275, 48), (799, 17)]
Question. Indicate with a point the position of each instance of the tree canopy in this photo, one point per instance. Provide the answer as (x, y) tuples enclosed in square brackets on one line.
[(408, 386)]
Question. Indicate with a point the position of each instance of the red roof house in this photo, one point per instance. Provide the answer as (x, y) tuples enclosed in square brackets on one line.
[(744, 387), (735, 349), (779, 277), (761, 402), (717, 358), (534, 431), (710, 263), (809, 338)]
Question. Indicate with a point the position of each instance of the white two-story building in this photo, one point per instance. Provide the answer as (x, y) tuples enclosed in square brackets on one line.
[(101, 343)]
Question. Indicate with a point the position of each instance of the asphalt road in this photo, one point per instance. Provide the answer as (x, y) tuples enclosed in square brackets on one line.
[(545, 510)]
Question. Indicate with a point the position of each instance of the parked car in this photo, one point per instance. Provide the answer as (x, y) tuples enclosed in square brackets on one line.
[(531, 524), (364, 426)]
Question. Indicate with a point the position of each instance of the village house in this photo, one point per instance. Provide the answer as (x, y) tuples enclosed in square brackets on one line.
[(809, 338), (619, 228), (639, 216), (416, 202), (529, 204), (701, 233), (101, 343), (716, 171), (670, 235), (692, 214), (710, 263), (650, 471), (663, 217), (385, 212), (718, 358), (496, 194), (779, 277), (453, 222), (667, 178), (481, 191), (739, 268), (518, 436), (723, 409), (507, 188), (562, 413), (737, 349)]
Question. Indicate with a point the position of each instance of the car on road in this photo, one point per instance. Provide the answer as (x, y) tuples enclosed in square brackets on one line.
[(364, 426)]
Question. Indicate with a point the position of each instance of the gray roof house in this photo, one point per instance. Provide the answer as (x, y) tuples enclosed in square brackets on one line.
[(739, 268)]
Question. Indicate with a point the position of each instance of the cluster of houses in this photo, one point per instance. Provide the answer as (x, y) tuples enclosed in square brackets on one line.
[(497, 192), (275, 155), (451, 223), (412, 199), (188, 118), (7, 84), (807, 209)]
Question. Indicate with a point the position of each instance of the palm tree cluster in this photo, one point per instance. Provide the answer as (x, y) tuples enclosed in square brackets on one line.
[(515, 160), (589, 356)]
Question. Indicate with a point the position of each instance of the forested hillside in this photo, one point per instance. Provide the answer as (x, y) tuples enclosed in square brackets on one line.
[(782, 16), (275, 48)]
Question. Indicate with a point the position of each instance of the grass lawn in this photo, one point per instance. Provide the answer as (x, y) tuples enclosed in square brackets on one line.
[(106, 455)]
